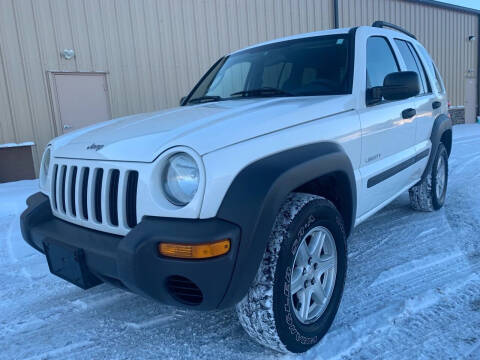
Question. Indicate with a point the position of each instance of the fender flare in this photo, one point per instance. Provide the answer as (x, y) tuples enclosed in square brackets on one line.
[(441, 124), (257, 194)]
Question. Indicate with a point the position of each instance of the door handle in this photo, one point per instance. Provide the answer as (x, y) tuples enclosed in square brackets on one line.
[(408, 113), (436, 104)]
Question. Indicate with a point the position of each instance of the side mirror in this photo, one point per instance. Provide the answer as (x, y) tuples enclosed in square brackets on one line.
[(401, 85), (182, 99), (396, 86)]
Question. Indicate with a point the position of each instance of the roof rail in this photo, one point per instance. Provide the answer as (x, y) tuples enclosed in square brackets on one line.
[(382, 24)]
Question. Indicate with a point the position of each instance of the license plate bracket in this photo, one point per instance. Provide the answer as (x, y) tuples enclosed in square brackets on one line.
[(69, 263)]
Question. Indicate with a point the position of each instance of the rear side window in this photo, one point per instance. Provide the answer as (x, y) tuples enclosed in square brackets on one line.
[(437, 80), (380, 61), (413, 63)]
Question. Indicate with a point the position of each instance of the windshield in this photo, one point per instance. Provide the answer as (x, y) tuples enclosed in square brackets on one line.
[(301, 67)]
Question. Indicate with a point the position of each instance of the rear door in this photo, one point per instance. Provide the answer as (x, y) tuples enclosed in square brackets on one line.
[(429, 104), (388, 139), (436, 102)]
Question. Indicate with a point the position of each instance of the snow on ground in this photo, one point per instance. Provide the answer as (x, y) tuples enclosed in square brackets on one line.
[(412, 292)]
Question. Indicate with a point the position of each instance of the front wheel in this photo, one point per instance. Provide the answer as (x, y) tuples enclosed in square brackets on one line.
[(297, 290)]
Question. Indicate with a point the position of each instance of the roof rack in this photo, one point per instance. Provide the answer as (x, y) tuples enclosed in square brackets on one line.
[(383, 24)]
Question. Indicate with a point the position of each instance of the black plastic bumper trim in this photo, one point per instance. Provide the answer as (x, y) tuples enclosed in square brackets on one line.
[(133, 261), (377, 179)]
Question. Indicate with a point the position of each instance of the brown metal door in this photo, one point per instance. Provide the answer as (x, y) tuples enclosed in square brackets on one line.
[(81, 100)]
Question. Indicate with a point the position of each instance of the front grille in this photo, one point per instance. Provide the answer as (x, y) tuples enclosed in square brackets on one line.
[(97, 195)]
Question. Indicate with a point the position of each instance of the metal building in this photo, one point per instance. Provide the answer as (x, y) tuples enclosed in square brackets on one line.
[(65, 64)]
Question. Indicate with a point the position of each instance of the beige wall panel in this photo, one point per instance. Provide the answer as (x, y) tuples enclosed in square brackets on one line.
[(444, 33), (80, 34), (14, 72), (96, 35), (7, 131), (63, 32), (37, 96)]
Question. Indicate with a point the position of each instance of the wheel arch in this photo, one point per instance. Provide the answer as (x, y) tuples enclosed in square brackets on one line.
[(441, 133), (259, 190), (336, 188), (447, 140)]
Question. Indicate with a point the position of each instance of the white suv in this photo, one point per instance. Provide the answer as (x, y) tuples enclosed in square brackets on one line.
[(246, 193)]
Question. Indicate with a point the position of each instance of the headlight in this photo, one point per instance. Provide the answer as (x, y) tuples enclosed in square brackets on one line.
[(46, 162), (180, 179)]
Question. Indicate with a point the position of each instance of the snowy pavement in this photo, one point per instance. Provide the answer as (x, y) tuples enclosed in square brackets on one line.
[(412, 292)]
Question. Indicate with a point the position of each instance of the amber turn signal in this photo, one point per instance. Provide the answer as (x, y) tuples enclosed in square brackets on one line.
[(197, 251)]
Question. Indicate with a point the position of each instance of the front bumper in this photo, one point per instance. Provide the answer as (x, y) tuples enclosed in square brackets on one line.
[(133, 261)]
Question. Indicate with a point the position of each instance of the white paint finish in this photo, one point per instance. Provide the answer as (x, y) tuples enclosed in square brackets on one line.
[(343, 129), (194, 125), (426, 115), (80, 99), (224, 137), (387, 138)]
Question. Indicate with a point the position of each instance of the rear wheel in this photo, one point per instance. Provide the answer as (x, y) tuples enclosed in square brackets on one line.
[(429, 194), (296, 293)]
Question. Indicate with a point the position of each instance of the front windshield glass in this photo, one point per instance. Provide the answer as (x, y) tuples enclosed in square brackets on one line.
[(301, 67)]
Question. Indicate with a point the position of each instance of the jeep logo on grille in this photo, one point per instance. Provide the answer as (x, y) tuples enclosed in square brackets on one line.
[(95, 147)]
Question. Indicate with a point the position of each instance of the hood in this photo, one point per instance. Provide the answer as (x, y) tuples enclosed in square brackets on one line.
[(204, 128)]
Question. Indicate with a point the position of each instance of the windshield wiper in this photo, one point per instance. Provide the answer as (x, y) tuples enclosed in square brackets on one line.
[(265, 91), (205, 98)]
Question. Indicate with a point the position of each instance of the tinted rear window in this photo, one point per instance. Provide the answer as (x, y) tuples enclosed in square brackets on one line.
[(413, 63), (437, 80)]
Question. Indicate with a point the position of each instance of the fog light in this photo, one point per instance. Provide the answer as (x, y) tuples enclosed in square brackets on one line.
[(197, 251)]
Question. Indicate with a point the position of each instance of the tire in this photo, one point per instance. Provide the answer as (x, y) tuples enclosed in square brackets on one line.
[(429, 194), (269, 313)]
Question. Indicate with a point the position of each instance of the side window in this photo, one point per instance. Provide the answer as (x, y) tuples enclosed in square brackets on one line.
[(380, 61), (412, 61), (437, 80)]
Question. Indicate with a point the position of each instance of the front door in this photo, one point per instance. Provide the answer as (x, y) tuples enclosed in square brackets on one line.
[(388, 138), (80, 99)]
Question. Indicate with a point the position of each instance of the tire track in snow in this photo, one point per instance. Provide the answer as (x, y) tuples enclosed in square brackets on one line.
[(426, 232), (445, 330), (62, 351), (158, 320), (414, 266), (345, 341), (363, 298), (8, 240), (100, 300), (465, 164)]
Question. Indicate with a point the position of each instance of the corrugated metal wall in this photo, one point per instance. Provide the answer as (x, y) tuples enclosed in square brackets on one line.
[(153, 51), (443, 32)]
